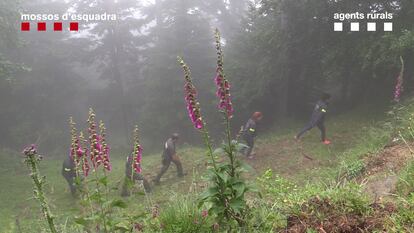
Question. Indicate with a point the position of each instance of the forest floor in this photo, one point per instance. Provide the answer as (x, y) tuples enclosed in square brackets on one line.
[(354, 136)]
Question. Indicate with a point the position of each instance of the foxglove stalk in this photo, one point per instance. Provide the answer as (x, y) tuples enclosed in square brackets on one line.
[(137, 153), (96, 148), (223, 85), (32, 160), (190, 92), (83, 155), (399, 85), (105, 148), (74, 139), (77, 153)]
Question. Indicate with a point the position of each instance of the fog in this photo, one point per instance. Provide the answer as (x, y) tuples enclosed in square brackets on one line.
[(279, 57), (294, 109)]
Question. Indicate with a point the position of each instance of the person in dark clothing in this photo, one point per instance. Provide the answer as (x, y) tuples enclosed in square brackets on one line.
[(169, 155), (318, 119), (249, 133), (69, 173), (131, 176)]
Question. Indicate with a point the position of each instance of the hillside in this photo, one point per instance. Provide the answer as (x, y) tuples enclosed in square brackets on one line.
[(361, 170)]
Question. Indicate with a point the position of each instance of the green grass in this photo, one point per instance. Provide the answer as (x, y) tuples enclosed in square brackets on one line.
[(353, 135), (16, 195)]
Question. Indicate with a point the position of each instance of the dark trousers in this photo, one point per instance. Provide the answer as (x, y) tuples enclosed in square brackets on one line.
[(250, 143), (70, 178), (166, 164), (127, 181), (310, 125)]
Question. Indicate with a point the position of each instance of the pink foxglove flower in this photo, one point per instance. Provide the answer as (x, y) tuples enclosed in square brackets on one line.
[(104, 148), (95, 141), (138, 159), (399, 88), (99, 150), (137, 153), (83, 155), (78, 153), (223, 85), (190, 92)]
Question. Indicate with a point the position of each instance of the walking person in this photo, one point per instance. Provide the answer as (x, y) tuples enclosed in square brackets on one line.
[(131, 176), (69, 173), (170, 155), (250, 133), (318, 119)]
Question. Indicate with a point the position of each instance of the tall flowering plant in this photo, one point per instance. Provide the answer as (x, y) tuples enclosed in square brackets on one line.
[(137, 153), (192, 104), (399, 84), (98, 147), (94, 150), (194, 109), (78, 153), (32, 159), (83, 154), (104, 147), (134, 161), (225, 196), (223, 85), (94, 141)]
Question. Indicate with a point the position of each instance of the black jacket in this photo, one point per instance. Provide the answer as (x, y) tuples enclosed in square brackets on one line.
[(319, 112), (68, 167), (250, 128)]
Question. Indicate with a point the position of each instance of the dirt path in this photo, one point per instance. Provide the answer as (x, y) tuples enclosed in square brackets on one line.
[(288, 158)]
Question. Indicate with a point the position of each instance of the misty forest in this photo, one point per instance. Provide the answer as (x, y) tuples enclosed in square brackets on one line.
[(207, 116)]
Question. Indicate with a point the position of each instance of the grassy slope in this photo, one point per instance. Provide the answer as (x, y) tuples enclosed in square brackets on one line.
[(350, 133)]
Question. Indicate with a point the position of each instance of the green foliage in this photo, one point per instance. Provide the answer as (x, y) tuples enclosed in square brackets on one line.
[(293, 54), (225, 197), (290, 200), (403, 121), (99, 208), (405, 186), (32, 160), (286, 195), (226, 194), (353, 169), (403, 219), (183, 215), (264, 216)]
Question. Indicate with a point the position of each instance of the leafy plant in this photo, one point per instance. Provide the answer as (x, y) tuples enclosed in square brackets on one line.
[(183, 215), (99, 207), (353, 169), (403, 220), (32, 160), (290, 200), (225, 197)]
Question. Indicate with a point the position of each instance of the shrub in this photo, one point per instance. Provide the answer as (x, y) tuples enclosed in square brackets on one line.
[(288, 200), (182, 215)]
